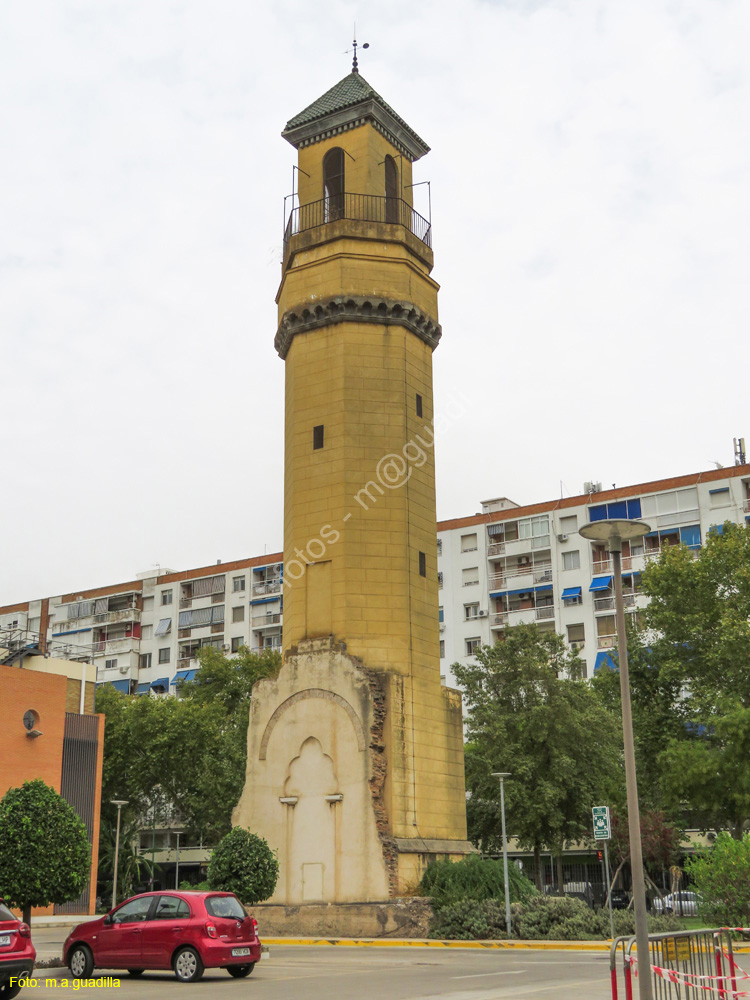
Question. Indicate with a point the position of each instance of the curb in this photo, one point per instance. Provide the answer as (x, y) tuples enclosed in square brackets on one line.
[(428, 943)]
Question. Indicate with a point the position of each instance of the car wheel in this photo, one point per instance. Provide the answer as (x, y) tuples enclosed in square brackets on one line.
[(187, 965), (240, 971), (136, 972), (7, 991), (81, 962)]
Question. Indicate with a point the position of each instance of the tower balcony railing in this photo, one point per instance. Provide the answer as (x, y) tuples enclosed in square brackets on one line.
[(361, 208)]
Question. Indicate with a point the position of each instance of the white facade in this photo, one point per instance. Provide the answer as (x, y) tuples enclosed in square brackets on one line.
[(509, 564), (517, 564)]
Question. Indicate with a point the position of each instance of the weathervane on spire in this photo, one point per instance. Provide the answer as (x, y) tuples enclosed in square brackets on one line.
[(365, 45)]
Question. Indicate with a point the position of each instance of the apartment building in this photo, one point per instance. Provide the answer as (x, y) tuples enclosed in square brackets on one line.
[(505, 565), (513, 564)]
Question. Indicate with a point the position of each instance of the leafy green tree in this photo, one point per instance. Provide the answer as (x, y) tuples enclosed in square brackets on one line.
[(45, 855), (561, 745), (721, 877), (244, 864), (698, 628), (229, 681), (133, 867)]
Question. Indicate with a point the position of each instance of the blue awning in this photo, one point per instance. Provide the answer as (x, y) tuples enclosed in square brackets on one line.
[(73, 631), (162, 682), (123, 686), (604, 659), (266, 600), (716, 529), (546, 586), (600, 583), (143, 689), (497, 593), (570, 593), (722, 489), (183, 675)]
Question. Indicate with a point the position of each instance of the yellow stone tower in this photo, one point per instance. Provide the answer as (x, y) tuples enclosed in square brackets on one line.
[(359, 703)]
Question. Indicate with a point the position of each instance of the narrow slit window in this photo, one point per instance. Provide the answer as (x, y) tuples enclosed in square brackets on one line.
[(419, 405), (317, 437), (333, 184), (391, 190), (422, 564)]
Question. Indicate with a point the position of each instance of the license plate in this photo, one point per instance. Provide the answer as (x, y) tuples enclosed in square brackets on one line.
[(239, 952), (4, 940)]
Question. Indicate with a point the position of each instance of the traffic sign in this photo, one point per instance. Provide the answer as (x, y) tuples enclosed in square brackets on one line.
[(601, 823)]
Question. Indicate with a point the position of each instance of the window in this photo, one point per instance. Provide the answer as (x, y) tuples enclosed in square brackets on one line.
[(238, 614), (617, 510), (133, 912), (422, 564), (419, 405), (333, 184), (164, 654), (166, 597), (472, 645), (148, 604), (576, 633), (237, 641), (471, 611), (442, 649), (317, 437), (440, 546), (238, 584), (719, 497), (225, 906), (569, 524), (391, 192), (144, 661), (147, 631), (172, 908), (109, 664), (470, 577), (571, 560), (441, 614), (469, 543), (440, 581)]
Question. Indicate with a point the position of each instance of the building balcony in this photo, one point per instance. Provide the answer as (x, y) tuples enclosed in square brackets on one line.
[(346, 206), (127, 644), (495, 549), (604, 604), (126, 615), (498, 619), (746, 506), (274, 642), (606, 641), (545, 612), (267, 587), (267, 621)]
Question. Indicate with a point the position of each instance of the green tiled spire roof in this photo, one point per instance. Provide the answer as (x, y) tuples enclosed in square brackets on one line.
[(350, 93)]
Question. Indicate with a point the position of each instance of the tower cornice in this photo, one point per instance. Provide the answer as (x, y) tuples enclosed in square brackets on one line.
[(356, 309)]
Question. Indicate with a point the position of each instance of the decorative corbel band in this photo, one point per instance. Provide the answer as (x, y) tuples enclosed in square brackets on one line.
[(356, 309)]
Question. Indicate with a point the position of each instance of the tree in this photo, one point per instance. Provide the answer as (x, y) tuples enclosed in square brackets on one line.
[(132, 866), (698, 629), (230, 681), (244, 864), (560, 744), (45, 855), (721, 877)]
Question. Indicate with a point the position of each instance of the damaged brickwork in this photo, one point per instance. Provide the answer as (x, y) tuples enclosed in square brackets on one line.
[(379, 766)]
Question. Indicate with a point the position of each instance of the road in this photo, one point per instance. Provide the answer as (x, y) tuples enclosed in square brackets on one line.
[(377, 973)]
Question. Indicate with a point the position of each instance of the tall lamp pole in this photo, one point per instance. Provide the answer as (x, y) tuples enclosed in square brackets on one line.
[(119, 803), (614, 533), (502, 775)]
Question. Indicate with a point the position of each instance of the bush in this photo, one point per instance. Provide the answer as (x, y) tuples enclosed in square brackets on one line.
[(244, 864), (721, 877), (469, 920), (473, 877), (553, 918), (197, 887)]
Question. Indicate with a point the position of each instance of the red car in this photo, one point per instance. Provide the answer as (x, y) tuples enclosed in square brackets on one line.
[(187, 932), (17, 953)]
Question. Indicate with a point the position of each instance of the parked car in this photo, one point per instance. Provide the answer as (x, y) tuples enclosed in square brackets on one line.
[(17, 953), (620, 899), (684, 904), (187, 932)]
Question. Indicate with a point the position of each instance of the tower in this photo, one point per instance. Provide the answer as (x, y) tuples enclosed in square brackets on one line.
[(355, 752)]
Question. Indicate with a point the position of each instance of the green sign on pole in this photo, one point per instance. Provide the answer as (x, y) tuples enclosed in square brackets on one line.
[(601, 823)]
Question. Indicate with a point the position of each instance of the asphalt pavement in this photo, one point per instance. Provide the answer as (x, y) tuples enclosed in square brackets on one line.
[(365, 973)]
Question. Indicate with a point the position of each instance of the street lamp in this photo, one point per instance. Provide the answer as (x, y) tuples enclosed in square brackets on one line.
[(119, 803), (177, 865), (502, 775), (614, 533)]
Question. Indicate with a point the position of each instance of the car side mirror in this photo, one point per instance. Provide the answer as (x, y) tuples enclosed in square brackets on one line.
[(108, 919)]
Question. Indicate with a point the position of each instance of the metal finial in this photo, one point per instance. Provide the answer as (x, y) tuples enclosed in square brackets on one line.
[(365, 45)]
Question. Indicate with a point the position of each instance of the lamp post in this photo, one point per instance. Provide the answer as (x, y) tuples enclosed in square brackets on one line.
[(502, 775), (119, 803), (614, 533), (177, 865)]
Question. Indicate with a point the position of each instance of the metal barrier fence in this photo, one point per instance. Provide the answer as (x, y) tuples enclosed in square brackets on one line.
[(685, 965)]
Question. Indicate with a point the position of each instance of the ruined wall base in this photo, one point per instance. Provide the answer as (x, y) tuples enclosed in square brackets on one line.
[(397, 918)]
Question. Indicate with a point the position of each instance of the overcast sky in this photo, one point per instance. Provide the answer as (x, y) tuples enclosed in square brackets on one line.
[(590, 175)]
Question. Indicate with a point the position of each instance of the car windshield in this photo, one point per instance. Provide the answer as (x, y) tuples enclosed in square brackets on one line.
[(225, 906)]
